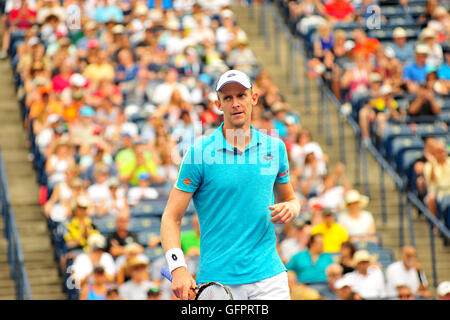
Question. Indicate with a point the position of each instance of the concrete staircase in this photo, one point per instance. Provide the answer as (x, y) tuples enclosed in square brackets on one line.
[(277, 64), (34, 236)]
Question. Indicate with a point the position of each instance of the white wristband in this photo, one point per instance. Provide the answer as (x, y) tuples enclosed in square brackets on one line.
[(175, 258)]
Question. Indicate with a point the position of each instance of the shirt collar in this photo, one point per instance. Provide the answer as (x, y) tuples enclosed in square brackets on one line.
[(222, 143)]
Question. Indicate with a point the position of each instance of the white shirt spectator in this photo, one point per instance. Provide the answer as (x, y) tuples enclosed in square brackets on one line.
[(397, 274), (82, 266), (298, 153), (370, 286), (99, 193), (163, 93), (332, 198), (356, 227)]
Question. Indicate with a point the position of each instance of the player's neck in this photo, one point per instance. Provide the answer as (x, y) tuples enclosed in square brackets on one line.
[(237, 137)]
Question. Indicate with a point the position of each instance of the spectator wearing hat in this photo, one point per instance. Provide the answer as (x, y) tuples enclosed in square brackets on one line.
[(407, 272), (59, 159), (348, 249), (99, 191), (367, 280), (443, 290), (98, 289), (241, 57), (414, 74), (359, 223), (435, 54), (99, 155), (75, 90), (85, 263), (333, 233), (45, 135), (82, 131), (131, 251), (334, 272), (137, 287), (117, 241), (296, 240), (310, 264), (59, 206), (119, 201), (378, 111), (142, 191), (403, 49), (344, 290), (80, 227)]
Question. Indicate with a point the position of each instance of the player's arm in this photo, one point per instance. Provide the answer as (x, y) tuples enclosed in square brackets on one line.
[(170, 240), (287, 206)]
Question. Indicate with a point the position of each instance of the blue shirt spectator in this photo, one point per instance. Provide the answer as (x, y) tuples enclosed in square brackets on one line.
[(310, 264), (108, 13), (414, 72), (165, 4)]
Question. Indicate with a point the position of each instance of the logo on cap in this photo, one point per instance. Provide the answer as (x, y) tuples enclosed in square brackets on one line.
[(231, 75)]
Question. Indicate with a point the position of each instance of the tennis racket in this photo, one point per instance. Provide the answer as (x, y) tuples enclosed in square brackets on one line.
[(207, 291)]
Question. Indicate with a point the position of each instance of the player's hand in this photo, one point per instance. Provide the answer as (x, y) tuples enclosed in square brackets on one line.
[(282, 212), (183, 284)]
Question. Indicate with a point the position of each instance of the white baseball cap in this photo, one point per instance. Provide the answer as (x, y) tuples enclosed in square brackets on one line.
[(234, 76)]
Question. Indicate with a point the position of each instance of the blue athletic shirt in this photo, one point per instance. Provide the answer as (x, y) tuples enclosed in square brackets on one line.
[(232, 191)]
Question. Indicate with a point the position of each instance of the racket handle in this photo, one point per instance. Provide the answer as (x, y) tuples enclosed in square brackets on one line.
[(165, 272)]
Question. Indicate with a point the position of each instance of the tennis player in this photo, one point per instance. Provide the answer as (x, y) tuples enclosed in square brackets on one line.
[(233, 177)]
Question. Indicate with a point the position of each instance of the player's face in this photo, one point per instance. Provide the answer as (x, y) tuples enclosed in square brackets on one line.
[(236, 102)]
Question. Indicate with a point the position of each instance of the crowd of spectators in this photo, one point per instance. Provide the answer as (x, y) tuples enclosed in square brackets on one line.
[(113, 94), (386, 61)]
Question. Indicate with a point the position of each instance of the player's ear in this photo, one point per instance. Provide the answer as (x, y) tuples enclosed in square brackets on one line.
[(255, 97), (217, 103)]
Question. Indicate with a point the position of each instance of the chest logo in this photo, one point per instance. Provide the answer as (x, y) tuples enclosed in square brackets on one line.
[(268, 157)]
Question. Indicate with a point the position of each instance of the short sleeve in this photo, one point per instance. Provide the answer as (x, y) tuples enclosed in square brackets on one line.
[(189, 172), (283, 171)]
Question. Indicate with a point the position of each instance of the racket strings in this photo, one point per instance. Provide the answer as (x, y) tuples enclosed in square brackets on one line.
[(213, 292)]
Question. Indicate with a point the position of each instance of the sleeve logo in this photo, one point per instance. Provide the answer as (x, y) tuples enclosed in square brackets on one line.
[(187, 181), (284, 173)]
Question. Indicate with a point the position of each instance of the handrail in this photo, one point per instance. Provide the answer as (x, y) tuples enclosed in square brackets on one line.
[(15, 255)]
